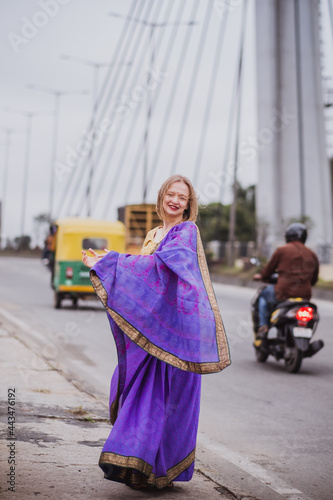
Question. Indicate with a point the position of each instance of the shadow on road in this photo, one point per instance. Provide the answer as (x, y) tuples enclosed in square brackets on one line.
[(271, 366)]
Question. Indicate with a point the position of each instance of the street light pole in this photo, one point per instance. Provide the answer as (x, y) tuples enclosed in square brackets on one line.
[(4, 185), (149, 112), (29, 115), (26, 171), (57, 94), (233, 208), (91, 152), (96, 67), (54, 148), (8, 132)]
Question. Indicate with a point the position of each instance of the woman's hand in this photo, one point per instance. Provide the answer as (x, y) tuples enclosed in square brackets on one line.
[(91, 261)]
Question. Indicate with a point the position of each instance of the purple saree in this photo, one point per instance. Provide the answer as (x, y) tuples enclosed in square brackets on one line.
[(168, 331)]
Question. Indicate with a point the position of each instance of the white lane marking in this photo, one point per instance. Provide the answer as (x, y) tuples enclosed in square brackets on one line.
[(255, 470), (22, 325)]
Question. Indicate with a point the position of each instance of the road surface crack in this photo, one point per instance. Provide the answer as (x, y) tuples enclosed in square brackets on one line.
[(227, 494)]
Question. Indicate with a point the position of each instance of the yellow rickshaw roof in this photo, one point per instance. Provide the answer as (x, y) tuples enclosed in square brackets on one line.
[(72, 230), (79, 225)]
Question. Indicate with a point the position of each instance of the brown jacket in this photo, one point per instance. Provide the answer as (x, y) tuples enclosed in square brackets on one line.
[(297, 267)]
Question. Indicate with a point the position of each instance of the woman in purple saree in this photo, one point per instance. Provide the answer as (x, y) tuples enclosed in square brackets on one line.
[(168, 331)]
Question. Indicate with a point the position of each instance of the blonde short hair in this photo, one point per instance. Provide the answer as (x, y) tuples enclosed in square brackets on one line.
[(191, 212)]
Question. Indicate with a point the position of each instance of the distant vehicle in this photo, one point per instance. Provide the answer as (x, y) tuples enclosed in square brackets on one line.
[(70, 277), (295, 321)]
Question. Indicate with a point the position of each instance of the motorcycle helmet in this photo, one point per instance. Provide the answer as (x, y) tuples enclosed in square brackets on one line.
[(296, 232)]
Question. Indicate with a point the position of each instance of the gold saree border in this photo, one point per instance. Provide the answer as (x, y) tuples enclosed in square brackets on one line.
[(107, 457), (144, 343), (142, 466), (221, 337)]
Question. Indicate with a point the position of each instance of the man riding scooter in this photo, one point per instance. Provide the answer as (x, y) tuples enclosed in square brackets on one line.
[(297, 267)]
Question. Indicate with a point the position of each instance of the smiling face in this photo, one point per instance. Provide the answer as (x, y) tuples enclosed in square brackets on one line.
[(176, 200)]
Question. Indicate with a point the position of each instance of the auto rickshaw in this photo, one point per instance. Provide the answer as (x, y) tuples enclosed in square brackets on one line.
[(70, 277)]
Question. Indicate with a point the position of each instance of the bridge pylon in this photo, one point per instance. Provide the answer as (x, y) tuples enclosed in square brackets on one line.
[(294, 175)]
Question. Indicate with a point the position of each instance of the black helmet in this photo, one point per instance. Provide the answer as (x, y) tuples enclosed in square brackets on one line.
[(296, 232)]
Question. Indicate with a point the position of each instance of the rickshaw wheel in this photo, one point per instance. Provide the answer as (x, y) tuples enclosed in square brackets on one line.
[(57, 300)]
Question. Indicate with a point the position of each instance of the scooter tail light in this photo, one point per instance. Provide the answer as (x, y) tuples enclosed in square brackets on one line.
[(304, 314), (69, 272)]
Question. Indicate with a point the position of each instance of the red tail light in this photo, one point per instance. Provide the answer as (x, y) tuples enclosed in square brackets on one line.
[(69, 273), (304, 314)]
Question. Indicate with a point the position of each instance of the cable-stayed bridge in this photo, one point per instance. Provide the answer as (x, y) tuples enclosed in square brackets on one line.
[(176, 97)]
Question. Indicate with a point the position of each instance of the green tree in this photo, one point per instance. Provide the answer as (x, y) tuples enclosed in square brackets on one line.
[(245, 214), (22, 242), (213, 219), (213, 222)]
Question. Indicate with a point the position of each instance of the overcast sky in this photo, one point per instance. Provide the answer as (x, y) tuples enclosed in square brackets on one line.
[(36, 33)]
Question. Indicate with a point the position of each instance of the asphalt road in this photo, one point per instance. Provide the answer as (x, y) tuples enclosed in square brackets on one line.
[(263, 432)]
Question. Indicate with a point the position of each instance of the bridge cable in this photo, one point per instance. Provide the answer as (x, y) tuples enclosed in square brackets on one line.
[(232, 219), (193, 81), (136, 36), (210, 96), (111, 85), (230, 129), (234, 120), (125, 81), (172, 94), (107, 78), (125, 150)]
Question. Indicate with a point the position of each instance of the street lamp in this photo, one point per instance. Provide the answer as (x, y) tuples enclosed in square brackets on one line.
[(96, 67), (57, 94), (8, 132), (151, 45), (29, 115)]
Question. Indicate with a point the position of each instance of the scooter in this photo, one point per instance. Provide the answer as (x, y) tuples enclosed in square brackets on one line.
[(291, 328)]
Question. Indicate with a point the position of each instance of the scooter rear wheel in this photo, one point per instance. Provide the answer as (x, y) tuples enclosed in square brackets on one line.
[(260, 355), (294, 361)]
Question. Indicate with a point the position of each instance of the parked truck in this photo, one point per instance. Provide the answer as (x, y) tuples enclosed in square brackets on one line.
[(138, 220)]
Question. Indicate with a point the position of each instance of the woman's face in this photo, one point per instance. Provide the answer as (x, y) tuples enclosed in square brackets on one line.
[(176, 200)]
